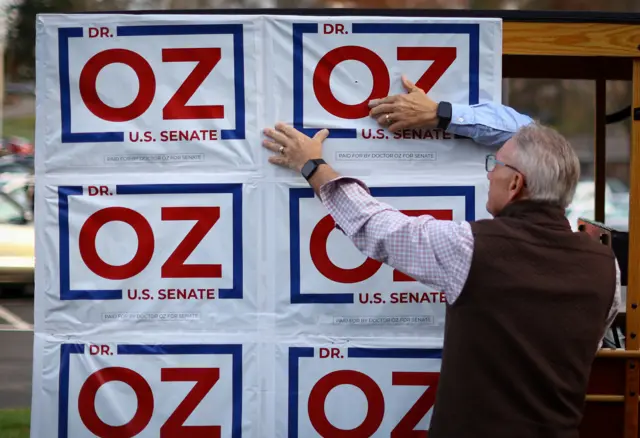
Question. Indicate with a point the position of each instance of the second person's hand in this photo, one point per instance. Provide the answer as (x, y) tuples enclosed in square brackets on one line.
[(412, 110)]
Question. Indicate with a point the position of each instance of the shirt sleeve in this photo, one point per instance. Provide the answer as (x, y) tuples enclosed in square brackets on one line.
[(489, 123), (434, 252)]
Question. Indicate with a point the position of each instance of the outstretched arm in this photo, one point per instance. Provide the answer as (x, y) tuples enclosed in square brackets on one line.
[(434, 252), (489, 124)]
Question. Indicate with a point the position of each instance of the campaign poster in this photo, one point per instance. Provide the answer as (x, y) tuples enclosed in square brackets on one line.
[(372, 388), (148, 254), (146, 387), (326, 70), (126, 93)]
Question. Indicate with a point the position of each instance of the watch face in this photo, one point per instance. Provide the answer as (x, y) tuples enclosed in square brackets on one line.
[(307, 168), (442, 111)]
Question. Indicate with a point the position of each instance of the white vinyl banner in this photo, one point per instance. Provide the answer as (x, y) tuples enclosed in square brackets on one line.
[(372, 391), (124, 93), (150, 252), (146, 387), (187, 287)]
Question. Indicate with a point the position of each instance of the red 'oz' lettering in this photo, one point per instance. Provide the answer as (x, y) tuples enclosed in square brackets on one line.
[(174, 266), (87, 243), (205, 379), (442, 58), (176, 108), (405, 428), (146, 83), (375, 403), (322, 262), (206, 218), (318, 396), (381, 82), (324, 265), (87, 400)]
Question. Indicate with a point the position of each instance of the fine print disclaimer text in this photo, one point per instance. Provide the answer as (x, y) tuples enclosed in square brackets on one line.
[(385, 156), (384, 320), (153, 158), (156, 316)]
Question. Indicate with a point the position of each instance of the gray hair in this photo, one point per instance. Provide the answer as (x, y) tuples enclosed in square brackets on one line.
[(548, 162)]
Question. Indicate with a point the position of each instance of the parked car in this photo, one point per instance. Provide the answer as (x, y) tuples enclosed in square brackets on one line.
[(17, 245), (20, 188), (616, 196)]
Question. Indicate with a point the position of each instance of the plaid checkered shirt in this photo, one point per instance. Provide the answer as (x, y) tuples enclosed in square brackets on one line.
[(434, 252)]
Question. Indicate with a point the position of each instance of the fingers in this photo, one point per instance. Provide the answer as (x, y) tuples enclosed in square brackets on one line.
[(381, 109), (279, 160), (410, 86), (383, 119), (271, 145), (289, 131), (376, 102), (278, 136), (399, 125), (321, 135)]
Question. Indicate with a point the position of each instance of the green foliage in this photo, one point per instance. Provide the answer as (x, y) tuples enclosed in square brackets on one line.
[(21, 34), (19, 127), (15, 423)]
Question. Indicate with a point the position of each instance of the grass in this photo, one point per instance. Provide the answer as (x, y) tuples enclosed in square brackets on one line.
[(14, 423), (20, 127)]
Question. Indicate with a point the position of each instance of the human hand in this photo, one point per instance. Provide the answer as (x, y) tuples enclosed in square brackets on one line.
[(293, 147), (401, 111)]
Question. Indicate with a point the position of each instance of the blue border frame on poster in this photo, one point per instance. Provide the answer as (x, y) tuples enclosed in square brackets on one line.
[(299, 29), (295, 353), (295, 194), (235, 350), (236, 30), (66, 293)]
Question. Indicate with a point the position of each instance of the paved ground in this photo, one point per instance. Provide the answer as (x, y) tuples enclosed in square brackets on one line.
[(16, 352)]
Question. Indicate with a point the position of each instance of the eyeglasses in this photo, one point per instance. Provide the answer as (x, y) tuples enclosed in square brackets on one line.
[(491, 162)]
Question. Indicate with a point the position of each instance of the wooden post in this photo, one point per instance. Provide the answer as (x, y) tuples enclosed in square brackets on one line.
[(600, 154), (632, 384)]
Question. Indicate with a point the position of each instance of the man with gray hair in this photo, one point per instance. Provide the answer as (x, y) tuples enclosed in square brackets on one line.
[(528, 300)]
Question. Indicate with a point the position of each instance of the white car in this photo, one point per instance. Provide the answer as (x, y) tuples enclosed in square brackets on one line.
[(616, 205)]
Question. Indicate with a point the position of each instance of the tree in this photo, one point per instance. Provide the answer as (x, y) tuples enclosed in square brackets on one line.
[(21, 35), (20, 40)]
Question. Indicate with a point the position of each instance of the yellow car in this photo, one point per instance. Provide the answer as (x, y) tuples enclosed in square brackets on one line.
[(17, 245)]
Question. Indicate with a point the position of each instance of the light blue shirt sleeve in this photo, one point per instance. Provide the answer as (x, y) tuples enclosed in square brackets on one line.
[(490, 124)]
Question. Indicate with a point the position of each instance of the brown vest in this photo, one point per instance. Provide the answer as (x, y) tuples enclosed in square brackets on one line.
[(521, 337)]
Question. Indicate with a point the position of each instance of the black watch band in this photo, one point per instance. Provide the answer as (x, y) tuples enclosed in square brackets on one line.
[(444, 114), (310, 167)]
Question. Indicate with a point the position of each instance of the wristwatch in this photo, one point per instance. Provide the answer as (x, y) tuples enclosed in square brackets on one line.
[(310, 167), (444, 114)]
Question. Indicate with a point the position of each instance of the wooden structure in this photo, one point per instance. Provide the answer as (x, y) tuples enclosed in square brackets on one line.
[(597, 47), (570, 45)]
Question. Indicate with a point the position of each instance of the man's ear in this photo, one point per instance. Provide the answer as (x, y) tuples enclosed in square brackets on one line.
[(516, 184)]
